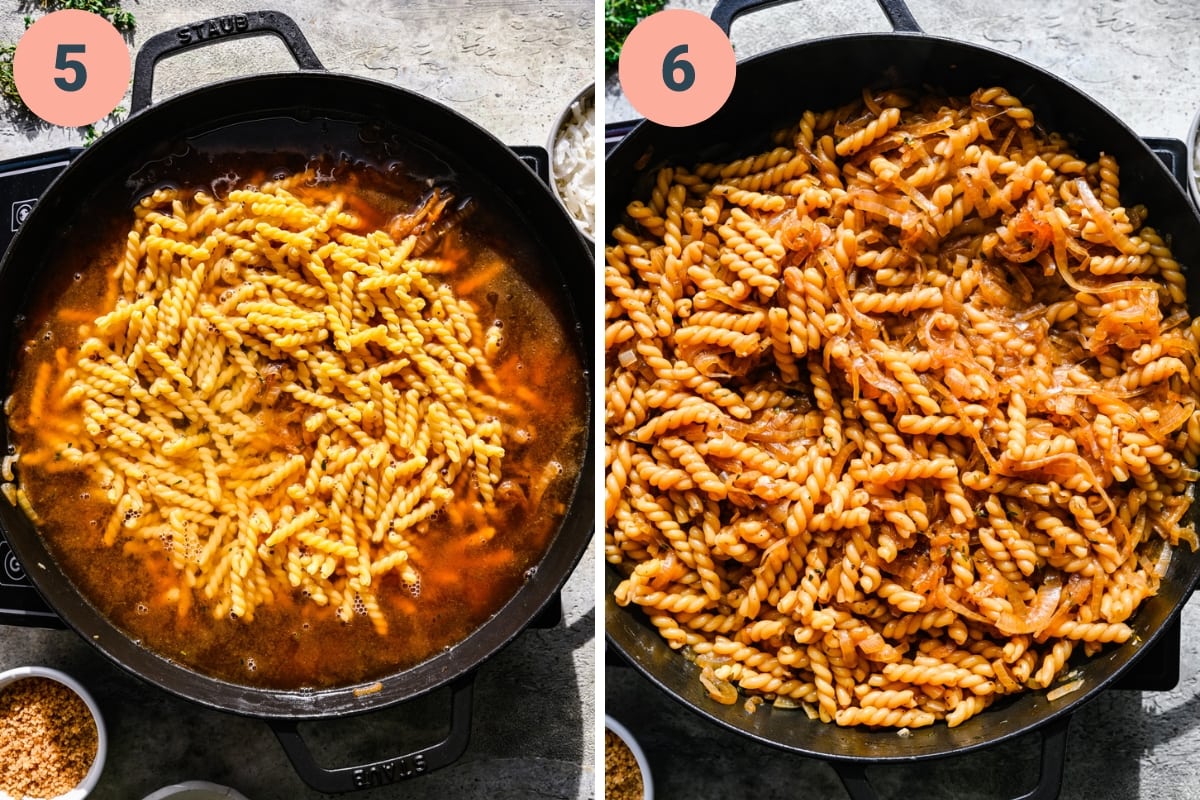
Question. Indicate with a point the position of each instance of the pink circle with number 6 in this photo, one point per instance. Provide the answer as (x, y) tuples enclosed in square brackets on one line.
[(677, 67), (71, 68)]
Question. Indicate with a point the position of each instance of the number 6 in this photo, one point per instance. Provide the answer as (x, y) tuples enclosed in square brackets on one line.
[(62, 62), (672, 63)]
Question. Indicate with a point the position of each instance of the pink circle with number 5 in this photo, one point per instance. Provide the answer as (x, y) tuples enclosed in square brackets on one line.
[(71, 68), (677, 67)]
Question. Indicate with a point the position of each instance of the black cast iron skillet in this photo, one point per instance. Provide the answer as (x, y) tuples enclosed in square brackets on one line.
[(771, 91), (297, 111)]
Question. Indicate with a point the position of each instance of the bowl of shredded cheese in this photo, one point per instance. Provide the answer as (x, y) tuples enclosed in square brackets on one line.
[(52, 737), (573, 160), (195, 790), (1193, 157)]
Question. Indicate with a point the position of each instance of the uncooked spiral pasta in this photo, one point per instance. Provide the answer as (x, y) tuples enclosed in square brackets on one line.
[(285, 409), (901, 413), (268, 447)]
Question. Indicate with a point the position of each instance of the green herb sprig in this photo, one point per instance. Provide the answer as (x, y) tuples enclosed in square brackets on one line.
[(121, 19), (8, 86), (620, 16)]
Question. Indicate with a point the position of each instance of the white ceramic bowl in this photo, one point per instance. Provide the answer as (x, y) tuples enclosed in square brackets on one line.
[(93, 774), (639, 756), (1193, 131), (587, 97), (195, 790)]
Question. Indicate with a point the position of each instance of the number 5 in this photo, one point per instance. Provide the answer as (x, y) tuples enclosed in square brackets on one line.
[(672, 63), (62, 62)]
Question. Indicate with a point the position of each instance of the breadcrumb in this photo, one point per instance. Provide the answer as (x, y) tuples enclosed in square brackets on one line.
[(48, 738)]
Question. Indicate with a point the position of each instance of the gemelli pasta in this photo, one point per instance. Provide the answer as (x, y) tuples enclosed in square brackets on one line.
[(901, 413)]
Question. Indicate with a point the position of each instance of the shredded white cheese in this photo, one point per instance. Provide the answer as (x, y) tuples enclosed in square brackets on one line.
[(575, 167)]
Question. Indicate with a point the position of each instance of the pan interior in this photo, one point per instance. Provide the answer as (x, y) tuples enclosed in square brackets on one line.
[(268, 124), (770, 93)]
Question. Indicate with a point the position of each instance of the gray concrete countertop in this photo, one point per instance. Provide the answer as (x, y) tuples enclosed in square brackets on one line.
[(1141, 60), (511, 67)]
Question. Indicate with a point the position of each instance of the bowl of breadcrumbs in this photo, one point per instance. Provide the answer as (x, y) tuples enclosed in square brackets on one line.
[(626, 772), (52, 740)]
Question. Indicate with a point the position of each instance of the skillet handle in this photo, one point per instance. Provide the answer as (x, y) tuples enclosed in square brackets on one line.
[(1054, 758), (727, 11), (390, 770), (209, 31)]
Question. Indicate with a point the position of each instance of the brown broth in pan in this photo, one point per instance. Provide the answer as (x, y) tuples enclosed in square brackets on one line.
[(293, 643)]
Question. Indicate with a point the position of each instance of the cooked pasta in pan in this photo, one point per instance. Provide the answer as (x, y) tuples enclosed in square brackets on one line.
[(901, 413)]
